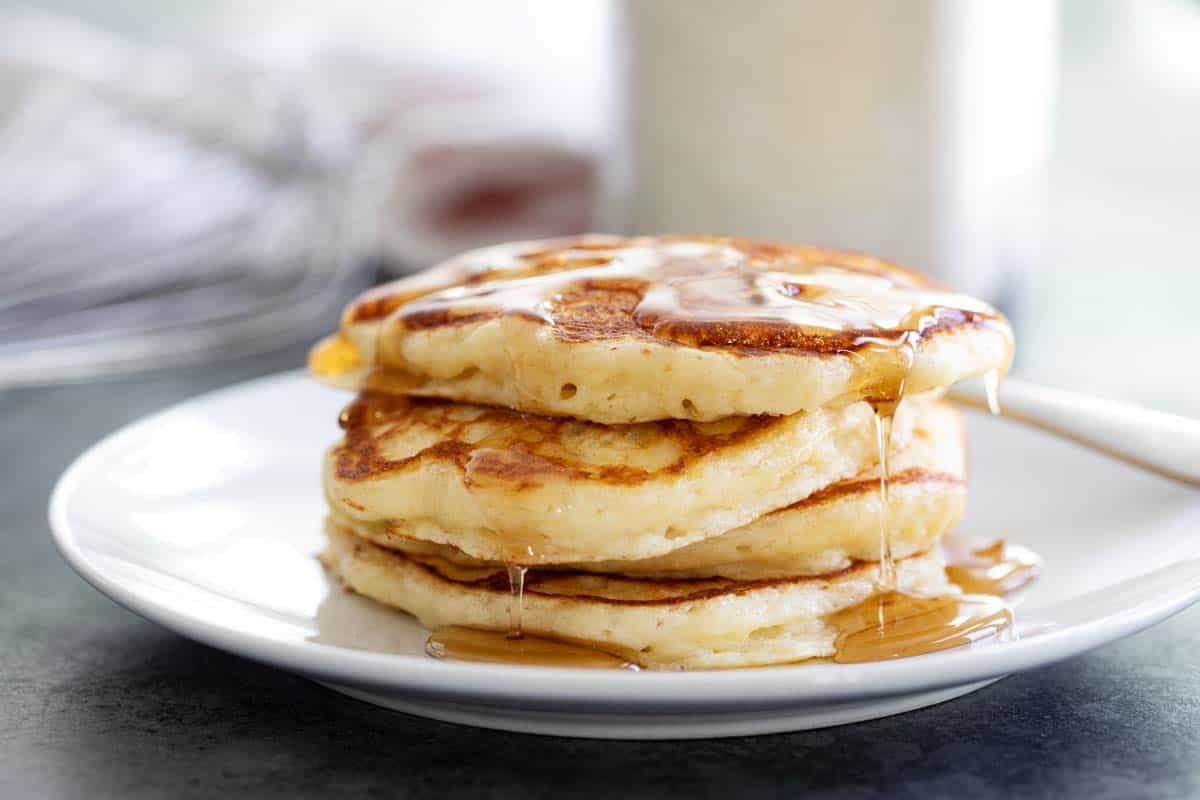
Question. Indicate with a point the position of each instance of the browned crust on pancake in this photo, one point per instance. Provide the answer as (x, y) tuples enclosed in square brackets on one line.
[(600, 309), (380, 302), (762, 337), (594, 313), (522, 463), (498, 582), (864, 485)]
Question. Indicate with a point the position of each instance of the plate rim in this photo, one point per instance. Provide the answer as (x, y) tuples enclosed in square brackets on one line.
[(783, 685)]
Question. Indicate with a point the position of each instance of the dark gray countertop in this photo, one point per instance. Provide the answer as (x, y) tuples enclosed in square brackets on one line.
[(96, 702)]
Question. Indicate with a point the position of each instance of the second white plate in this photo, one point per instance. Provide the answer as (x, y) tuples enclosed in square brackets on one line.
[(205, 518)]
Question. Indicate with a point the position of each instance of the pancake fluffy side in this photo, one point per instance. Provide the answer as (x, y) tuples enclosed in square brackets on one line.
[(825, 532), (667, 624), (503, 486)]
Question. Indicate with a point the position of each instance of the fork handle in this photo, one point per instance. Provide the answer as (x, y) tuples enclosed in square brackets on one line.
[(1153, 440)]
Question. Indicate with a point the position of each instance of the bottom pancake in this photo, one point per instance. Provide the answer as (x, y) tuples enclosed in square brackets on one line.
[(656, 623)]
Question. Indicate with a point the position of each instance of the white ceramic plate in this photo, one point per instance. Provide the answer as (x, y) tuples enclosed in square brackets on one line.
[(205, 518)]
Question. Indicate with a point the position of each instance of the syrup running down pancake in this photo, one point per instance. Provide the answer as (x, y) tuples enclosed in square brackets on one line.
[(619, 330)]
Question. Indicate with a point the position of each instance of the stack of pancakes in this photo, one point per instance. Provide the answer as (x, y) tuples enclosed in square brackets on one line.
[(675, 435)]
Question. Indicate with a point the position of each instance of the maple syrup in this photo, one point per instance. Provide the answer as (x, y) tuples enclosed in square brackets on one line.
[(334, 356), (498, 647), (891, 625), (738, 297), (516, 590), (998, 568), (884, 395)]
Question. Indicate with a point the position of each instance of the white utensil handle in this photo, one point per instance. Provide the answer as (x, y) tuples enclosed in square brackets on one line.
[(1154, 440)]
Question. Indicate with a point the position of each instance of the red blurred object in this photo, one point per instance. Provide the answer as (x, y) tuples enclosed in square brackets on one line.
[(452, 161)]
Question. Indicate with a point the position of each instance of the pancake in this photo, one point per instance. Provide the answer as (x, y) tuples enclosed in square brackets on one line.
[(825, 532), (504, 486), (836, 526), (626, 330), (688, 624)]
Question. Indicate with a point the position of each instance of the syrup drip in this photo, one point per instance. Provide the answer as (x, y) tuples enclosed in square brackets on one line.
[(886, 580), (334, 356), (893, 362), (514, 646), (997, 569), (369, 408), (516, 588), (891, 625), (497, 647)]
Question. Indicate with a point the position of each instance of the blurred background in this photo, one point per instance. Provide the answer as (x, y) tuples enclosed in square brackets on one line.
[(189, 182)]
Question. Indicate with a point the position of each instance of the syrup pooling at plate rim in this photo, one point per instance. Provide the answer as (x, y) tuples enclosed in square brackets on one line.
[(896, 625), (461, 643), (997, 568), (891, 624)]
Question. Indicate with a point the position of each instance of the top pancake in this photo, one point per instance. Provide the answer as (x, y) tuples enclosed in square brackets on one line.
[(616, 330)]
